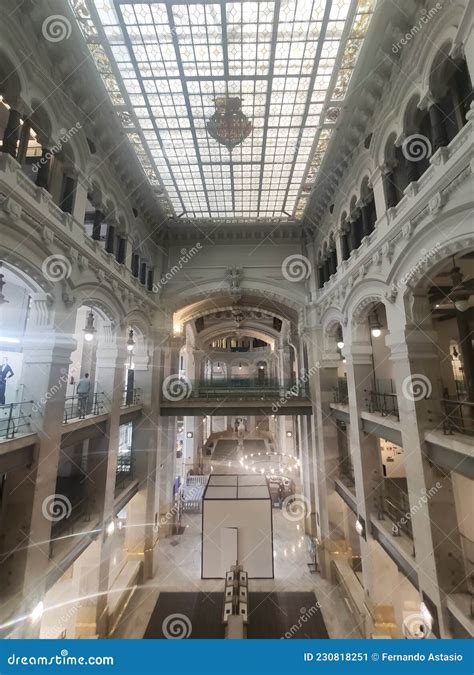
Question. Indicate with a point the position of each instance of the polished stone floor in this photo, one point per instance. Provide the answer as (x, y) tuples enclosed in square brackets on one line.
[(179, 570)]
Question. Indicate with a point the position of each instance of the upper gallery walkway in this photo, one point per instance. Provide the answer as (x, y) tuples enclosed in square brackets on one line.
[(243, 396)]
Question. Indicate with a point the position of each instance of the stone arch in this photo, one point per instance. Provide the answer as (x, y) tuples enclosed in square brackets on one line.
[(13, 82), (103, 298)]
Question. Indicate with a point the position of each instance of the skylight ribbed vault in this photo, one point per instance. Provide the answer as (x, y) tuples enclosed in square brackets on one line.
[(164, 63)]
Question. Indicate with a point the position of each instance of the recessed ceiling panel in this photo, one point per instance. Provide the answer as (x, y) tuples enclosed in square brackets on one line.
[(164, 64)]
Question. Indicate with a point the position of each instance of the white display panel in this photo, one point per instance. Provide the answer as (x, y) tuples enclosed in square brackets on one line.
[(249, 516)]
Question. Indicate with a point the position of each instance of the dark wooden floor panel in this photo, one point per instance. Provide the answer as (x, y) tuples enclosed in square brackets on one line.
[(272, 616), (290, 615)]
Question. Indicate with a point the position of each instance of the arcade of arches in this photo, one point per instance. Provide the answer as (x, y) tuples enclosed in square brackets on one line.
[(236, 319)]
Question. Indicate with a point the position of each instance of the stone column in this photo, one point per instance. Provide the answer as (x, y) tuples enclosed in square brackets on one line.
[(432, 508), (111, 356), (390, 190), (323, 461), (377, 184), (353, 234), (345, 248), (24, 141), (110, 239), (97, 224), (142, 536), (172, 347), (440, 137), (368, 475), (11, 135), (47, 350), (42, 177), (366, 224)]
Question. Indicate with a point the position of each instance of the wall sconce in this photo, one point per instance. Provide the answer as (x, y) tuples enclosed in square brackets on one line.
[(289, 434), (89, 329), (360, 529), (340, 341), (189, 434)]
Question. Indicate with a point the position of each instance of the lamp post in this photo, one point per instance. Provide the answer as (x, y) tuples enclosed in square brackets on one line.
[(130, 371)]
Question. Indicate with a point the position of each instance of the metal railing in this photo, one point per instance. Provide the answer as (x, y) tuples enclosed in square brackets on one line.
[(131, 397), (245, 388), (458, 416), (79, 406), (340, 392), (73, 504), (384, 403), (15, 418), (396, 506), (467, 546), (124, 470)]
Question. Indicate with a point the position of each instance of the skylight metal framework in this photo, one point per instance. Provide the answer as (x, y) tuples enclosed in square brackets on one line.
[(290, 61)]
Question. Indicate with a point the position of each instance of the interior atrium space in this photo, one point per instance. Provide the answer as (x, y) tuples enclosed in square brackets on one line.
[(236, 319)]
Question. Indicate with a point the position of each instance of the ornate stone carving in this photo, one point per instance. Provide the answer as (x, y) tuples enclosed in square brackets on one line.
[(387, 250), (47, 235), (436, 203), (391, 295)]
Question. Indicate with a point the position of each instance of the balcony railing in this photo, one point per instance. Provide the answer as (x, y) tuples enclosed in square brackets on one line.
[(15, 418), (71, 507), (130, 397), (241, 388), (396, 506), (458, 416), (384, 403), (467, 546), (78, 406), (124, 471), (340, 393)]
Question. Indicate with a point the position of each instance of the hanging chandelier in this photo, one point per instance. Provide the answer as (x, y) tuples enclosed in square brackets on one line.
[(229, 126)]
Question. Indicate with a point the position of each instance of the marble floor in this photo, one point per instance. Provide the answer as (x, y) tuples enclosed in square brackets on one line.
[(179, 569)]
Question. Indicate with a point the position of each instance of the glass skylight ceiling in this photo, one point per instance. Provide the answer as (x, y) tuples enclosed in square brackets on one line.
[(163, 63)]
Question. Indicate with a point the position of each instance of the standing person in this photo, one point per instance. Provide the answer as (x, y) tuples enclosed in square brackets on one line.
[(5, 373), (281, 494), (82, 391)]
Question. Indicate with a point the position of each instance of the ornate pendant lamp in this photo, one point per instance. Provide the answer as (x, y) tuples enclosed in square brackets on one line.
[(229, 126)]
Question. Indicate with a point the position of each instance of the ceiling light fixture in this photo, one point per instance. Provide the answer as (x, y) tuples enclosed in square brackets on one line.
[(130, 341), (374, 324), (89, 329)]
